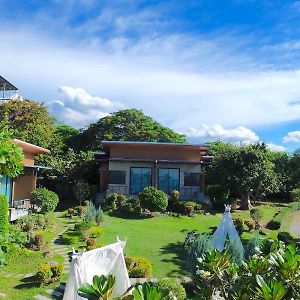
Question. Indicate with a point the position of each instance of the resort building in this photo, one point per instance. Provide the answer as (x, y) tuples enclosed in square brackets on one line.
[(18, 190), (128, 167)]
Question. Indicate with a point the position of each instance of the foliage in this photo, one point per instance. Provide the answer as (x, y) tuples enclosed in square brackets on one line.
[(239, 225), (63, 135), (273, 274), (93, 214), (250, 224), (71, 237), (125, 125), (253, 246), (101, 288), (148, 291), (36, 242), (218, 194), (29, 120), (138, 267), (45, 199), (153, 199), (95, 232), (285, 237), (82, 191), (121, 200), (48, 273), (10, 154), (245, 170), (196, 247), (256, 215), (295, 195), (4, 223), (32, 222), (175, 196), (172, 289)]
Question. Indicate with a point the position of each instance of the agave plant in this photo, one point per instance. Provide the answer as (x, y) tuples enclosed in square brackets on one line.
[(101, 289)]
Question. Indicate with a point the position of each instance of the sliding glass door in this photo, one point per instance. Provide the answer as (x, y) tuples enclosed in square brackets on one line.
[(168, 179), (139, 179)]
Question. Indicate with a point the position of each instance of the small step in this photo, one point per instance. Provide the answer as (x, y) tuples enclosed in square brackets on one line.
[(42, 297)]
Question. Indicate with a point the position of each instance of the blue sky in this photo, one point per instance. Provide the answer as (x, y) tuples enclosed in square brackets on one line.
[(210, 69)]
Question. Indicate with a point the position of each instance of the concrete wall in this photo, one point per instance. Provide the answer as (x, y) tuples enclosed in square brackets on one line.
[(190, 192), (23, 185)]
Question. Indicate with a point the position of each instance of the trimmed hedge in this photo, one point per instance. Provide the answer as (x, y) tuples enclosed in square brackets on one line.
[(172, 289), (138, 267), (45, 199), (4, 223)]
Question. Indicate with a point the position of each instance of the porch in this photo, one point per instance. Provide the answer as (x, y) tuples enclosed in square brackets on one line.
[(19, 209)]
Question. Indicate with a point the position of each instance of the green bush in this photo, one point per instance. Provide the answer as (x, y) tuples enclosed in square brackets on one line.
[(239, 225), (175, 195), (37, 242), (95, 232), (250, 224), (4, 223), (44, 274), (295, 195), (172, 289), (45, 199), (121, 200), (82, 191), (217, 194), (57, 271), (48, 273), (80, 210), (138, 267), (153, 199), (71, 238), (188, 210)]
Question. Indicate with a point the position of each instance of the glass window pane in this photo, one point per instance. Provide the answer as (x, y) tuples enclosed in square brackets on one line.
[(139, 179), (192, 179), (168, 180), (117, 177)]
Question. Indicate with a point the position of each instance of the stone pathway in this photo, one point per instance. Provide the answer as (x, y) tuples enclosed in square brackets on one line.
[(295, 223)]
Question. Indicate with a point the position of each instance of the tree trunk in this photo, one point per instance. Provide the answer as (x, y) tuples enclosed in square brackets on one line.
[(246, 203)]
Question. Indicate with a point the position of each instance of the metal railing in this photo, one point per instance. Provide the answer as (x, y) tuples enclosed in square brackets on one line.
[(119, 189), (191, 192)]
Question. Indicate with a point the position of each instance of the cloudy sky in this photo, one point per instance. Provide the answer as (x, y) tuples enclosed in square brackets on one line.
[(211, 69)]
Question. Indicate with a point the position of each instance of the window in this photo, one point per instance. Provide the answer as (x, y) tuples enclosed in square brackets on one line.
[(117, 177), (139, 179), (6, 187), (192, 179), (168, 180)]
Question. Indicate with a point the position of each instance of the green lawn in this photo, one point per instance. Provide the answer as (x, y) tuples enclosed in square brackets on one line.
[(159, 238)]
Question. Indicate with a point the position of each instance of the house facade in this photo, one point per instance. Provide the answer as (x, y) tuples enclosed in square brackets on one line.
[(18, 190), (128, 167)]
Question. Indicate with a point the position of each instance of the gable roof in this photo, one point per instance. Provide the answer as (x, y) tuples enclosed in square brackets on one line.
[(30, 148)]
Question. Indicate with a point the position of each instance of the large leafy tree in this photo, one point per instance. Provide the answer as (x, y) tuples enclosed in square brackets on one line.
[(29, 120), (245, 170), (126, 125)]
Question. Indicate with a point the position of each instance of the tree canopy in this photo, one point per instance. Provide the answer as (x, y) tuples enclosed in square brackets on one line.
[(245, 170), (10, 154), (29, 120), (126, 125)]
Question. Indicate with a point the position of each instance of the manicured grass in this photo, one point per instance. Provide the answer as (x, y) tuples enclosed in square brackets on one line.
[(158, 239)]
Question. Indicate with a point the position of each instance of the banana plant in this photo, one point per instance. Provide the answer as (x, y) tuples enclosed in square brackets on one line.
[(101, 289)]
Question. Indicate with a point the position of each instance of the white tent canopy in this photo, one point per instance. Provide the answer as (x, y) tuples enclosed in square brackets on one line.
[(102, 261), (224, 230)]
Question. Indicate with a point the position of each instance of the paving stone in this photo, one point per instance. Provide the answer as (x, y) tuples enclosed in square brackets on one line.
[(132, 281), (29, 275), (154, 280), (42, 297), (2, 294), (54, 293), (61, 287)]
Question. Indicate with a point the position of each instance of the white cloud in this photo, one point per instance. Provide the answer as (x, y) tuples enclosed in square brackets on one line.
[(276, 148), (293, 136), (79, 108), (236, 135)]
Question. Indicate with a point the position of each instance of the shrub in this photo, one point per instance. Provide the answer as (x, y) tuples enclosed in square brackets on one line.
[(4, 223), (91, 242), (172, 289), (38, 242), (112, 198), (44, 274), (250, 224), (153, 199), (138, 267), (295, 195), (285, 237), (70, 212), (93, 214), (82, 191), (48, 273), (188, 209), (95, 232), (57, 271), (70, 238), (239, 225), (256, 215), (175, 195), (217, 194), (45, 199), (80, 210), (121, 200)]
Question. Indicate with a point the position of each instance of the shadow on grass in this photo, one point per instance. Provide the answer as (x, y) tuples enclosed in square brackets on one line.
[(28, 283), (179, 259)]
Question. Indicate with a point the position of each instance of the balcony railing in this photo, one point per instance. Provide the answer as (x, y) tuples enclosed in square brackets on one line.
[(20, 209)]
